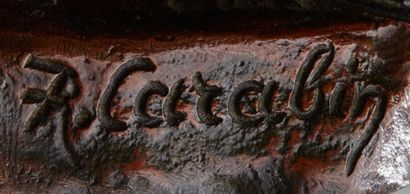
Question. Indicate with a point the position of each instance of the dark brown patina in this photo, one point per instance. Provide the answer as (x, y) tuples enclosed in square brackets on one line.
[(281, 108)]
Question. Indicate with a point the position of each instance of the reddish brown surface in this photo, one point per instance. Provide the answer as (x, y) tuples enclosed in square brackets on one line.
[(98, 46), (102, 49)]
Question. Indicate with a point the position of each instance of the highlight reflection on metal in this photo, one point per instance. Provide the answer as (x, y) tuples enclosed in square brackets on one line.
[(322, 113), (393, 163)]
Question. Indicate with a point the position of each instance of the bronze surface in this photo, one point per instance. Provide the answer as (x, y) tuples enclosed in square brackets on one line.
[(264, 104)]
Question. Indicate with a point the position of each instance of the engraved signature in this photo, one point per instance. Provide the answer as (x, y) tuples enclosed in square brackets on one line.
[(309, 77)]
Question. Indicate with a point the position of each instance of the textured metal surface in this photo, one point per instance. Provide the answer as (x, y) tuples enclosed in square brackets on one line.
[(312, 109)]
